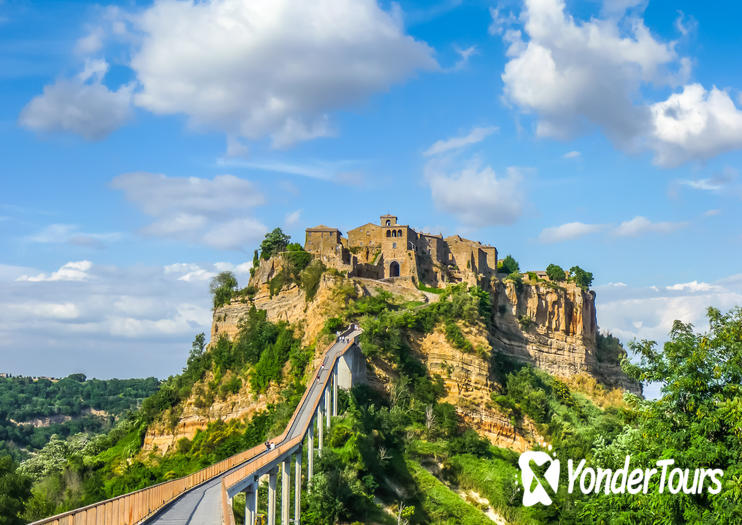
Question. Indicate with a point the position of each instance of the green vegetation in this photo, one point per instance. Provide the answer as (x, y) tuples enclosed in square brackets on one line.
[(431, 289), (581, 278), (84, 469), (508, 265), (66, 403), (14, 490), (555, 273), (274, 243), (405, 456), (222, 287)]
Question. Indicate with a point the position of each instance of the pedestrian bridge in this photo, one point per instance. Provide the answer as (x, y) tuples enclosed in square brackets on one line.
[(205, 497)]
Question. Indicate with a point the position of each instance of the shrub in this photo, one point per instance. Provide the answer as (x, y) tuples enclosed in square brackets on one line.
[(508, 265), (310, 277), (525, 322), (555, 272)]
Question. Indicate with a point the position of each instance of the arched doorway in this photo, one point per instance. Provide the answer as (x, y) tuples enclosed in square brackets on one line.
[(394, 269)]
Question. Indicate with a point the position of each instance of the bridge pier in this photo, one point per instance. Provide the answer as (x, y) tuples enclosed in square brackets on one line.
[(251, 504), (321, 426), (335, 390), (310, 451), (297, 487), (328, 399), (285, 489), (272, 496)]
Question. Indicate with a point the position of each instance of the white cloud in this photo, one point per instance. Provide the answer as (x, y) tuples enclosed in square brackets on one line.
[(255, 69), (204, 211), (293, 218), (82, 105), (570, 230), (574, 75), (464, 55), (695, 124), (71, 271), (572, 155), (640, 225), (110, 321), (71, 234), (648, 313), (712, 212), (477, 134), (475, 195)]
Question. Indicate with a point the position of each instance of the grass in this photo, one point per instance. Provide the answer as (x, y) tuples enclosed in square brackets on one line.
[(431, 289), (440, 503)]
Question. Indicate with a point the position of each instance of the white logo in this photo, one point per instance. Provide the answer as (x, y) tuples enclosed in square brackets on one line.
[(619, 481), (538, 494)]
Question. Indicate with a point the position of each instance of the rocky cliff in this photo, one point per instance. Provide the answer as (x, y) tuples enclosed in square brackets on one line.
[(551, 327)]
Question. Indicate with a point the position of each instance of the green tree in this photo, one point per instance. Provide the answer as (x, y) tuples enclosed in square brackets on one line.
[(697, 422), (274, 243), (555, 272), (222, 288), (508, 265), (14, 490), (582, 278)]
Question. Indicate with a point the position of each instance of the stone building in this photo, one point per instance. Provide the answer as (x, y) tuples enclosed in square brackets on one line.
[(389, 250)]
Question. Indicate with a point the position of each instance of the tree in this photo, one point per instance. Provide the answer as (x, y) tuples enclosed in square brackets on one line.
[(582, 278), (14, 490), (274, 243), (697, 422), (222, 287), (555, 272), (508, 265)]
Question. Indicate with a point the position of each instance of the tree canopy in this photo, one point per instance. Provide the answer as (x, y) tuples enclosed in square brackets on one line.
[(582, 278), (222, 288), (555, 272), (274, 243), (509, 265)]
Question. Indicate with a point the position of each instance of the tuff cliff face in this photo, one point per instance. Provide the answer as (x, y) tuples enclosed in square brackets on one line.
[(551, 327)]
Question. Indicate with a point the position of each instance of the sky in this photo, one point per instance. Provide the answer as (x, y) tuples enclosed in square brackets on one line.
[(147, 146)]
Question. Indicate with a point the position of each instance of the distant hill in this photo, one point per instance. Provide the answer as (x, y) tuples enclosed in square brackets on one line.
[(32, 409)]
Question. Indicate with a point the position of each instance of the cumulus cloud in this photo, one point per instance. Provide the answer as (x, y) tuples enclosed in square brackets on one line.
[(695, 124), (477, 134), (71, 271), (112, 321), (475, 195), (640, 225), (574, 75), (255, 69), (570, 230), (82, 105), (204, 211), (648, 313)]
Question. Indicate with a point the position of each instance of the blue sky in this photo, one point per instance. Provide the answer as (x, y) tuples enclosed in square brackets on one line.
[(146, 146)]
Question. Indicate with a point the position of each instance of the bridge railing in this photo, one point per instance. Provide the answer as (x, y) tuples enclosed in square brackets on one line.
[(135, 507)]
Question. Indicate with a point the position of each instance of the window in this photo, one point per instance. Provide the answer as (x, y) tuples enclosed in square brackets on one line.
[(394, 233), (388, 222), (399, 233), (394, 245), (389, 233)]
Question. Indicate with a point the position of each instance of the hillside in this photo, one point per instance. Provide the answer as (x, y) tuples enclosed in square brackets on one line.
[(460, 379), (34, 409)]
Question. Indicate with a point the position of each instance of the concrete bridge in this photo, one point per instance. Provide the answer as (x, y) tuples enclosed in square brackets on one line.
[(205, 497)]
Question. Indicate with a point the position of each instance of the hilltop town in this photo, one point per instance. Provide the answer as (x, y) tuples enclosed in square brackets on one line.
[(389, 250)]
